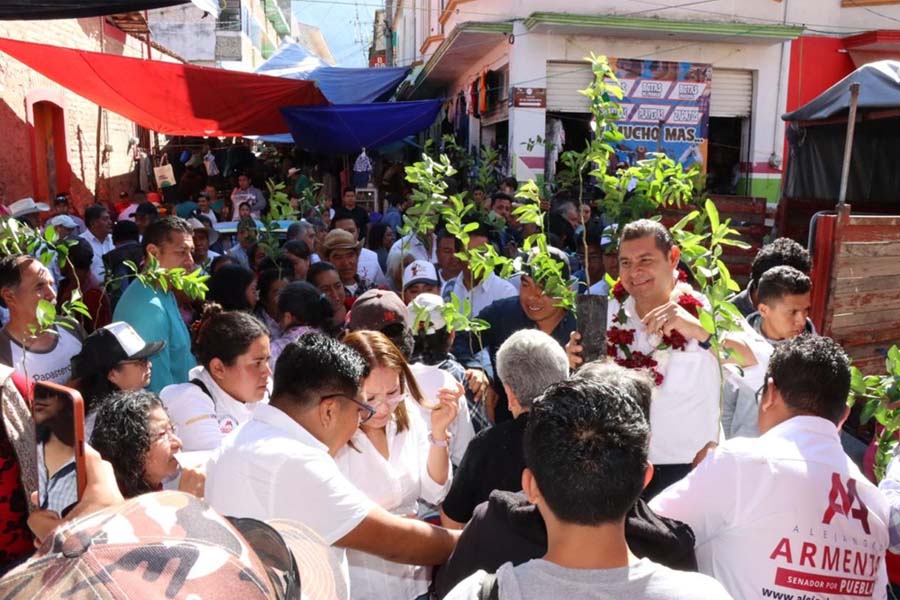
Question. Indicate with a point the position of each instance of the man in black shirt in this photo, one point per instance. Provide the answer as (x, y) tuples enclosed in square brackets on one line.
[(358, 213), (528, 362), (531, 310)]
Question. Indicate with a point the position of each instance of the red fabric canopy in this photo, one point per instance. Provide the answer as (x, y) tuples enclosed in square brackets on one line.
[(171, 98)]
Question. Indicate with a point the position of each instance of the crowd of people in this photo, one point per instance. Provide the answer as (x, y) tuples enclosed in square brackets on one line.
[(321, 382)]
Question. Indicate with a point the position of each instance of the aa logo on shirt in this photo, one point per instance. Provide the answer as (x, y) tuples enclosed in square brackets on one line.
[(226, 425), (841, 501)]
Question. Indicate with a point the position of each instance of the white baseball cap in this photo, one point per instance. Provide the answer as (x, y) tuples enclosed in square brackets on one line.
[(429, 307), (419, 271), (63, 221)]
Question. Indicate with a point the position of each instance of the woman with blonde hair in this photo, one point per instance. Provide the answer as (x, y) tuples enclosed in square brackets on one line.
[(394, 460)]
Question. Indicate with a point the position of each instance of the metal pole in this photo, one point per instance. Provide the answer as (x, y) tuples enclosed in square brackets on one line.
[(388, 33), (848, 143)]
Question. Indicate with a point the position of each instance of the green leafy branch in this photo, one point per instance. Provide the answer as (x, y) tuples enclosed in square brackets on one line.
[(880, 398), (192, 284), (546, 271)]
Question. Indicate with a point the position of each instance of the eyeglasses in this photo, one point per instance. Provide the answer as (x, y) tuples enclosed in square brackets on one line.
[(762, 391), (391, 401), (366, 412), (167, 434)]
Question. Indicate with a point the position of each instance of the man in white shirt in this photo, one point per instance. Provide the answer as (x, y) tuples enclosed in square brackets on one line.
[(24, 282), (203, 208), (788, 514), (649, 310), (367, 264), (99, 236), (280, 464), (482, 293), (585, 449), (245, 193)]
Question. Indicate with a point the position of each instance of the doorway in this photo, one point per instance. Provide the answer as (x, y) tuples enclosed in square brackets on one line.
[(51, 166)]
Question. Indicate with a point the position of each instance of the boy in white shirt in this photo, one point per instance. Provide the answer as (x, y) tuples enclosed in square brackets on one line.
[(586, 454), (788, 514)]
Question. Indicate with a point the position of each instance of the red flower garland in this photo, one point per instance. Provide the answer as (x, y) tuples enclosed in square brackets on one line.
[(619, 339)]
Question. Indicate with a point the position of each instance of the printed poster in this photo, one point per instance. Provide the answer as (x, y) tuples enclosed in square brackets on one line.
[(668, 96)]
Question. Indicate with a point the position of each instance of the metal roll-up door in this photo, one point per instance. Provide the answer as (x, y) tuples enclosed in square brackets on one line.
[(564, 79), (731, 94)]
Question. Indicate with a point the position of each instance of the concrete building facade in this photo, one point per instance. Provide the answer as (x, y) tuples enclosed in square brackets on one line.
[(752, 48), (246, 33)]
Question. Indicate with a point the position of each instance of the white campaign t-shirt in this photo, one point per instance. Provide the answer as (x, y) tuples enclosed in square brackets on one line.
[(53, 365), (787, 514), (272, 468), (202, 421)]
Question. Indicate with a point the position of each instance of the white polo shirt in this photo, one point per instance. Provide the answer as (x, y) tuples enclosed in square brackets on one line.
[(272, 468), (787, 514)]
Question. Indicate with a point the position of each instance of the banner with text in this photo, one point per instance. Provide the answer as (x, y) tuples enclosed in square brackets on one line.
[(665, 108)]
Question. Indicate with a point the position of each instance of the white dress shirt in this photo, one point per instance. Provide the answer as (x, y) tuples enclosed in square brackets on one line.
[(396, 484), (482, 295), (272, 468), (100, 248), (684, 411), (785, 513), (368, 267), (201, 421)]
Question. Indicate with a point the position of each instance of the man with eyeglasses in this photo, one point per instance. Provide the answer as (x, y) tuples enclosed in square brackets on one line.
[(280, 464), (788, 514)]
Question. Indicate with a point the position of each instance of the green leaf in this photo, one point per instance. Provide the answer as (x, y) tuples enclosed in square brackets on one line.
[(713, 213), (707, 321), (868, 411)]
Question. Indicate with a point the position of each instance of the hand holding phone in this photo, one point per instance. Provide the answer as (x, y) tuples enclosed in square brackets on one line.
[(58, 413)]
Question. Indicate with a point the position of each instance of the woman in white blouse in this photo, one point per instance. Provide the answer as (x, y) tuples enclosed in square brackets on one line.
[(395, 461), (232, 348)]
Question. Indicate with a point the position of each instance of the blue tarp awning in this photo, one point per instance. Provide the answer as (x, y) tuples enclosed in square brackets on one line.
[(350, 128), (340, 85)]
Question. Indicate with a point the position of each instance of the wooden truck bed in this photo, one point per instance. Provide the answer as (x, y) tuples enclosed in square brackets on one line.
[(856, 284)]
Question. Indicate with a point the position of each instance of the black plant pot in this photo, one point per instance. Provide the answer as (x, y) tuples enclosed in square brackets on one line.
[(590, 312)]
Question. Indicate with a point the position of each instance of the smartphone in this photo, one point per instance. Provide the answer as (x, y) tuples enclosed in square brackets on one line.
[(58, 413)]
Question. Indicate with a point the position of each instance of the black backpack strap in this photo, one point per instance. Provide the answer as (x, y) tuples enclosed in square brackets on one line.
[(490, 588), (203, 388)]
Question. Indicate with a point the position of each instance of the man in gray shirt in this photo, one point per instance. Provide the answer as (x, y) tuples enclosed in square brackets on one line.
[(586, 464)]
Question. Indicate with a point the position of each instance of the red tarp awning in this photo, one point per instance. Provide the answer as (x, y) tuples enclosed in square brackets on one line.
[(171, 98)]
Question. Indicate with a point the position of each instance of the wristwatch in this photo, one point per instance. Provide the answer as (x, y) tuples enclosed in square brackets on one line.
[(707, 344), (440, 443)]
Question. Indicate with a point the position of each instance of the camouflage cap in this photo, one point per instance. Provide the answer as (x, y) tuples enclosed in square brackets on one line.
[(161, 545)]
